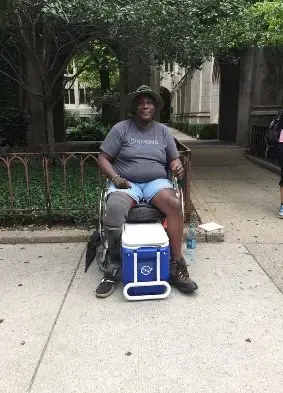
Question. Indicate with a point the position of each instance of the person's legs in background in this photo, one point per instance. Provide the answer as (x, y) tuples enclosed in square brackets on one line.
[(280, 214), (280, 159)]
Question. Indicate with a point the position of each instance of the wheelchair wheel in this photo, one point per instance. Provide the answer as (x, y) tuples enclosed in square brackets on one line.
[(181, 196), (102, 212)]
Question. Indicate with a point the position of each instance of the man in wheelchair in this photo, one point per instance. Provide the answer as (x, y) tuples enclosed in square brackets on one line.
[(135, 157)]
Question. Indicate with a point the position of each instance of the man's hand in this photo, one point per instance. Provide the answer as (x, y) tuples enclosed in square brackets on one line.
[(121, 183), (177, 169)]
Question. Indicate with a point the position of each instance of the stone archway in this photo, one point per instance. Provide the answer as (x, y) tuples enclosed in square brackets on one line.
[(165, 112)]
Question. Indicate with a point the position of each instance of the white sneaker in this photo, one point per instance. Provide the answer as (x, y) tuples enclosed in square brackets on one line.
[(280, 214)]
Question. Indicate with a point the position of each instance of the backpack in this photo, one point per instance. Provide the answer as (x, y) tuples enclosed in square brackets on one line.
[(273, 132)]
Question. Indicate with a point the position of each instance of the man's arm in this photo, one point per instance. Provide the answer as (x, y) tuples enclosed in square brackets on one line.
[(105, 165)]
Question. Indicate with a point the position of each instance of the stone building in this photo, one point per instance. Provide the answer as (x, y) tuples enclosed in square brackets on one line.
[(240, 97), (260, 93), (194, 96), (75, 95)]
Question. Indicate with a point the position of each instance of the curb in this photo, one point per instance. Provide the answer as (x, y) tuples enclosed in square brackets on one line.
[(47, 236), (264, 164), (205, 215)]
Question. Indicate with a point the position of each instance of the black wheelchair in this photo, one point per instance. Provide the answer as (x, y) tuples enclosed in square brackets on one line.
[(140, 213)]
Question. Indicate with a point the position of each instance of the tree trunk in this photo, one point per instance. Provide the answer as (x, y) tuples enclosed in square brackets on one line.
[(105, 86), (58, 112), (50, 127), (104, 79), (123, 104)]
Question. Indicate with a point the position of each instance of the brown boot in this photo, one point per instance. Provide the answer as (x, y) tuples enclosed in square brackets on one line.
[(180, 278)]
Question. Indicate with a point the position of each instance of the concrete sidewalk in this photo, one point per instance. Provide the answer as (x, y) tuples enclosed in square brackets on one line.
[(56, 337), (245, 199)]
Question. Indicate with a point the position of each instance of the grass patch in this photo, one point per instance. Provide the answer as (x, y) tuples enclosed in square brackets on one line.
[(72, 199)]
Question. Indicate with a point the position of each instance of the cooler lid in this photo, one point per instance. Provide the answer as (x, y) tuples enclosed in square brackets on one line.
[(142, 235)]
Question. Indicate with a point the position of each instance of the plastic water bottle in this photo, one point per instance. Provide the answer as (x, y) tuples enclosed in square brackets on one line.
[(191, 243)]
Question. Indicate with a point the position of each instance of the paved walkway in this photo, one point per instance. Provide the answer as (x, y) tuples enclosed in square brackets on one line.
[(244, 198), (56, 337)]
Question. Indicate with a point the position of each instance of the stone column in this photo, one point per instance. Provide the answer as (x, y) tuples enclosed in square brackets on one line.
[(229, 95), (245, 97), (195, 97), (205, 89), (214, 100), (188, 92)]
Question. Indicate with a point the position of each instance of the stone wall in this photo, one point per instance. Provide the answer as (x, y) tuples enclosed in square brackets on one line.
[(195, 97), (260, 91)]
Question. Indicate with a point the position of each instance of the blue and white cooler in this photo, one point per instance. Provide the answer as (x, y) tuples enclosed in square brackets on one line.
[(145, 261)]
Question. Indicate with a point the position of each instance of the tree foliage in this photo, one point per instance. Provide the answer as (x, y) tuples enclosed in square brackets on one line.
[(266, 23), (43, 40), (48, 33), (96, 59), (182, 31)]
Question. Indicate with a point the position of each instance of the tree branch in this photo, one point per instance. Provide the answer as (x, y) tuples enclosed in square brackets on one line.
[(34, 31), (15, 68), (23, 85), (78, 73), (56, 56), (60, 73), (60, 96)]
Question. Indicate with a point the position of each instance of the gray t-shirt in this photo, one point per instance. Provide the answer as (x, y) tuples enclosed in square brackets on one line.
[(140, 156)]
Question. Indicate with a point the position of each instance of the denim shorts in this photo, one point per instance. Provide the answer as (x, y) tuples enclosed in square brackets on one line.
[(143, 191)]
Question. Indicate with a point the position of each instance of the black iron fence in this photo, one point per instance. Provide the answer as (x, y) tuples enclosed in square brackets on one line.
[(257, 140), (64, 186)]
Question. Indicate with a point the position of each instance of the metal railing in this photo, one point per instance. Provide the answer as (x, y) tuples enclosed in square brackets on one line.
[(37, 185), (63, 186), (257, 140), (186, 158)]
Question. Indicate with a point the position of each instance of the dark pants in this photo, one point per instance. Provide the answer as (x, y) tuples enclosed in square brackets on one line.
[(279, 152)]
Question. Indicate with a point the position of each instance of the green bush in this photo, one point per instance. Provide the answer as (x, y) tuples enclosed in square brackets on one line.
[(192, 130), (203, 131), (88, 131), (13, 121), (107, 102), (72, 119), (14, 126), (208, 131)]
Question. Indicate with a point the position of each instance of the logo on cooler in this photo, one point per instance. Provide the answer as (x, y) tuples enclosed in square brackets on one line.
[(146, 270)]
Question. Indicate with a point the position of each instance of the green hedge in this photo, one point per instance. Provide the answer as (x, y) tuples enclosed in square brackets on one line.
[(203, 131), (88, 131)]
